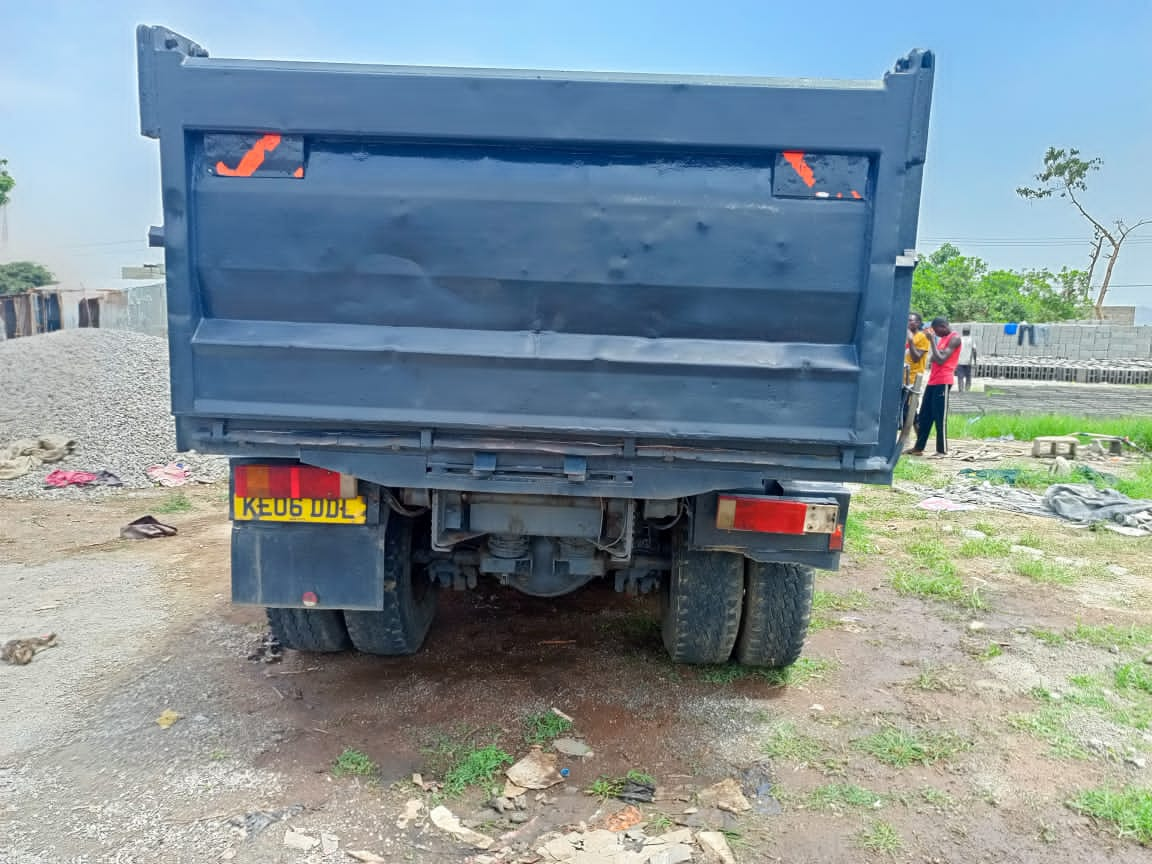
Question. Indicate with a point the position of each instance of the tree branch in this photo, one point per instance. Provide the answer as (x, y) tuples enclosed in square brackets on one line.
[(1084, 213)]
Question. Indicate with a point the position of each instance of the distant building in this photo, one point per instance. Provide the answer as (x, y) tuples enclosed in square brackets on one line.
[(121, 306)]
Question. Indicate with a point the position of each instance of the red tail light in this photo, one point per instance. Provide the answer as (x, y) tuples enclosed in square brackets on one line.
[(775, 515), (291, 481)]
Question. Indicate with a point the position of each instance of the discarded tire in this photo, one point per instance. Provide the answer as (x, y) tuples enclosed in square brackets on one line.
[(409, 600), (777, 607), (314, 630), (701, 605)]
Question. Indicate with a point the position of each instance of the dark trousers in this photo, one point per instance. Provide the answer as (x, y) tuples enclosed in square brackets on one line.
[(964, 377), (1026, 330), (933, 412)]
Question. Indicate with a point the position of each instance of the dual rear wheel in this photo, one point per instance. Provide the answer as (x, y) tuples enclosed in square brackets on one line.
[(719, 607), (398, 628)]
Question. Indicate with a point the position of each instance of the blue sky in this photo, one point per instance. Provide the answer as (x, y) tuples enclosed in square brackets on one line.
[(1012, 78)]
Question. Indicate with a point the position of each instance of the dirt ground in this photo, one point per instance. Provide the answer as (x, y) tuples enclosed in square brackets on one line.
[(954, 700)]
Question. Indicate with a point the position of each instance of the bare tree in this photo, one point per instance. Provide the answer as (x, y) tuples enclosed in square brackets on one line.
[(1065, 176)]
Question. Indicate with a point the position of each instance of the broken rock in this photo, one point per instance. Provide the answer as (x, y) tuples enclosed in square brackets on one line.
[(412, 811), (537, 770), (329, 843), (716, 848), (725, 795), (300, 842), (446, 821), (572, 747), (625, 818), (366, 857)]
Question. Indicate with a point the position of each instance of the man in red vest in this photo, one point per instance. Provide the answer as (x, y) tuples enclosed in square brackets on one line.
[(945, 353)]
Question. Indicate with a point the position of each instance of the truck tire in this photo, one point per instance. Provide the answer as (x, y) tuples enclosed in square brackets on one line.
[(409, 600), (701, 604), (320, 631), (777, 606)]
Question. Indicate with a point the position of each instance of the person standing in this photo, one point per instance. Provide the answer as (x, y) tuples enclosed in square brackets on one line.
[(916, 348), (945, 354), (966, 362)]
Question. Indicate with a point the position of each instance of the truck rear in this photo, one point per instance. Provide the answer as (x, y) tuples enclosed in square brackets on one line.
[(542, 328)]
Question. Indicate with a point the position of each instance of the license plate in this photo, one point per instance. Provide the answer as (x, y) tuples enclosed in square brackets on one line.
[(331, 511)]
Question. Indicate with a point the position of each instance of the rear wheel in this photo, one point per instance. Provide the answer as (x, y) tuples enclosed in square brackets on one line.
[(777, 607), (313, 630), (701, 604), (409, 600)]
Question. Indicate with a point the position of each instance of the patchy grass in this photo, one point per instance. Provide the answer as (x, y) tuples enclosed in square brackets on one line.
[(785, 742), (904, 747), (931, 680), (1028, 427), (1048, 637), (880, 836), (986, 547), (177, 502), (605, 787), (991, 651), (936, 585), (937, 798), (353, 763), (824, 602), (857, 536), (1128, 810), (840, 796), (477, 768), (658, 823), (915, 471), (1049, 724), (801, 672), (1139, 484), (1134, 676), (1107, 635), (542, 728), (1045, 572)]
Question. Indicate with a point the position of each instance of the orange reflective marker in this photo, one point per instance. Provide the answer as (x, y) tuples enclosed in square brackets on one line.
[(251, 160), (796, 160), (856, 195), (839, 194), (299, 172)]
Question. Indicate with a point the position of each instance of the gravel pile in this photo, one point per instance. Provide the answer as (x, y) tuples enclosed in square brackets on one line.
[(105, 389)]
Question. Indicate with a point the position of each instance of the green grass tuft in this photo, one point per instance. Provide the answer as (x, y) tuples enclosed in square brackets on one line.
[(857, 536), (175, 503), (915, 471), (1107, 635), (353, 763), (801, 672), (880, 836), (903, 747), (542, 728), (1128, 810), (987, 547), (1048, 637), (477, 767), (937, 585), (1039, 570), (785, 742), (837, 796), (1134, 676)]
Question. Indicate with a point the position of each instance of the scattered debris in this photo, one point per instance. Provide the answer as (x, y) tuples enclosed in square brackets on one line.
[(537, 770), (59, 479), (973, 534), (572, 747), (170, 475), (329, 843), (300, 842), (269, 650), (1085, 504), (977, 626), (715, 846), (622, 820), (637, 791), (146, 528), (412, 810), (725, 795), (365, 857), (511, 790), (446, 821), (251, 824), (18, 458), (757, 786), (1137, 762), (167, 718), (19, 652), (939, 504), (562, 715)]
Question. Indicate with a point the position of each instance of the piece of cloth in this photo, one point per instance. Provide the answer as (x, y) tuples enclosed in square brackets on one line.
[(933, 412), (172, 474), (18, 458), (920, 342), (59, 479), (146, 528), (1043, 335), (1083, 503), (1026, 330), (945, 373)]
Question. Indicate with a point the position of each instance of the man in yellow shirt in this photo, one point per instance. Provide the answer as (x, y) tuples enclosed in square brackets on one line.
[(916, 349)]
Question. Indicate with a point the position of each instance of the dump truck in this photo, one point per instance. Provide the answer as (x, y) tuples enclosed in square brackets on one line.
[(536, 328)]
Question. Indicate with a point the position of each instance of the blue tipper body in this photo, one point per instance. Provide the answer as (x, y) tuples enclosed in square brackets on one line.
[(631, 286)]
